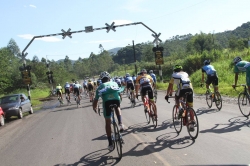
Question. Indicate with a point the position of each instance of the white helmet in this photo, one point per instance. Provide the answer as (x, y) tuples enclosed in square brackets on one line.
[(150, 71), (104, 74), (237, 59), (127, 75)]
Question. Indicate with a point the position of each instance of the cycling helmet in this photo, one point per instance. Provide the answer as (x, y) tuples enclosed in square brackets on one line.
[(77, 82), (59, 85), (177, 67), (150, 71), (104, 75), (206, 62), (89, 80), (66, 82), (237, 59), (143, 71), (127, 75)]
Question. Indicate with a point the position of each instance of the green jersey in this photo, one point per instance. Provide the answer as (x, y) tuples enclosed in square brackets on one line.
[(239, 67), (108, 91)]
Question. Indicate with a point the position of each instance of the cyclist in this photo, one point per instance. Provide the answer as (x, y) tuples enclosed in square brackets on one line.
[(85, 85), (77, 90), (118, 81), (130, 85), (154, 78), (211, 76), (67, 90), (134, 78), (59, 92), (241, 66), (144, 81), (181, 79), (90, 89), (109, 91), (99, 82)]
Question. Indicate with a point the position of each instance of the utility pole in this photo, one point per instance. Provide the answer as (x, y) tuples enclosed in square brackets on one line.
[(134, 58)]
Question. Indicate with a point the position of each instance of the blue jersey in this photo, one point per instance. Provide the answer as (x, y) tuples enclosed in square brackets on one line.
[(67, 86), (134, 78), (153, 76), (129, 80), (209, 70)]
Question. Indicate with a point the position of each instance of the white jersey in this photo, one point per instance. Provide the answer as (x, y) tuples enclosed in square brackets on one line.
[(181, 79)]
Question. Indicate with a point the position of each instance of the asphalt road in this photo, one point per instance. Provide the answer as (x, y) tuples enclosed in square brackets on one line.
[(67, 135)]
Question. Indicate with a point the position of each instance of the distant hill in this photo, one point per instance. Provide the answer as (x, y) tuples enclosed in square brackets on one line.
[(114, 50)]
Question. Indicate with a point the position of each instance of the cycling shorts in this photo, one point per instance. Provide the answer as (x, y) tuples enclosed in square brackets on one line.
[(76, 91), (130, 86), (58, 92), (148, 89), (189, 96), (85, 86), (90, 87), (67, 91), (107, 109), (212, 79)]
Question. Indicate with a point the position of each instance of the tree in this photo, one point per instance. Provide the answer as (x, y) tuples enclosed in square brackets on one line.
[(13, 47)]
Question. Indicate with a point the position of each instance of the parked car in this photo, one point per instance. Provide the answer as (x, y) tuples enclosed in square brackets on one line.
[(1, 117), (15, 105)]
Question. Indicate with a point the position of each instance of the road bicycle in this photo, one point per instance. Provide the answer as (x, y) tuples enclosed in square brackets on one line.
[(67, 99), (60, 101), (116, 135), (244, 101), (149, 111), (77, 100), (213, 97), (132, 99), (188, 118)]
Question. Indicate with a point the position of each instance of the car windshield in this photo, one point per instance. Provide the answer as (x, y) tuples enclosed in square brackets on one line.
[(9, 99)]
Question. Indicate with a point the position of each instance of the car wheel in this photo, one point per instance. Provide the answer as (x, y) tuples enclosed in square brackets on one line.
[(31, 110), (1, 120), (20, 114)]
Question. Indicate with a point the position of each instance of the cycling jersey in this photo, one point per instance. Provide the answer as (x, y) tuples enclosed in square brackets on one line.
[(67, 86), (209, 70), (118, 81), (58, 90), (109, 92), (240, 66), (129, 80), (181, 79), (153, 76), (145, 80)]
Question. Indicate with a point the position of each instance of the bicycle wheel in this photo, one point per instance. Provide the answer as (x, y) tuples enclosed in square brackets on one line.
[(77, 102), (193, 124), (209, 100), (244, 104), (218, 100), (118, 140), (176, 121), (147, 115)]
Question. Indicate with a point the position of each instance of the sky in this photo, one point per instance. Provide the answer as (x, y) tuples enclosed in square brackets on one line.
[(21, 20)]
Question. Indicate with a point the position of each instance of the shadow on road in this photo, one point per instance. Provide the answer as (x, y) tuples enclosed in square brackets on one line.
[(235, 124), (100, 157), (203, 110)]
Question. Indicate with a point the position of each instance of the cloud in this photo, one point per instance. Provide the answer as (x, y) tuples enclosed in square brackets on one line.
[(32, 6), (46, 39), (120, 22), (134, 6), (102, 41)]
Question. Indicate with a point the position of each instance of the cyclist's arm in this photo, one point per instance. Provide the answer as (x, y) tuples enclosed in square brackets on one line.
[(137, 85), (202, 78), (170, 87), (235, 79)]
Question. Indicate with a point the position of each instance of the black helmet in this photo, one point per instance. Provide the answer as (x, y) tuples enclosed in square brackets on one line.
[(237, 59), (206, 62)]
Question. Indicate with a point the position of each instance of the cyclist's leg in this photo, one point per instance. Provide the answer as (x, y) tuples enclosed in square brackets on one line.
[(190, 101), (248, 78), (107, 116), (151, 99)]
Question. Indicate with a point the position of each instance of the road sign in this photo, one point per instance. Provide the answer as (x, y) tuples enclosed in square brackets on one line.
[(156, 38), (89, 29), (159, 57), (110, 27), (27, 80), (68, 33)]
